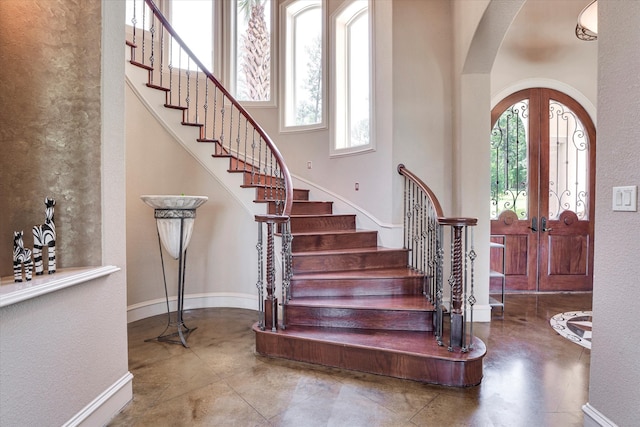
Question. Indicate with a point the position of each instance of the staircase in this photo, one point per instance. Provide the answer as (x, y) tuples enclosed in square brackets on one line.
[(356, 305), (347, 302)]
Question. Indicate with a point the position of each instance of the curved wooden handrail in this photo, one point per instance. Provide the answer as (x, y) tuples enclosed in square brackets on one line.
[(402, 170), (442, 220), (288, 184)]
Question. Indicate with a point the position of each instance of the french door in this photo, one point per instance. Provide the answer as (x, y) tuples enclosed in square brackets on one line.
[(542, 191)]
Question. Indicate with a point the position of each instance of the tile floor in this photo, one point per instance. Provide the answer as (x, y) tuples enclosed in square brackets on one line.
[(532, 377)]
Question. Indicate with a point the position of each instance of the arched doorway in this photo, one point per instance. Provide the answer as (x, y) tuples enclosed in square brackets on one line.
[(542, 191)]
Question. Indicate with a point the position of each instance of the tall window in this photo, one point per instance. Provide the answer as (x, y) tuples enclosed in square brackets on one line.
[(252, 74), (352, 79), (193, 20), (302, 77)]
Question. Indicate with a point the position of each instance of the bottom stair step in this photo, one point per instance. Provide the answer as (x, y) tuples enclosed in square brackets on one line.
[(400, 313), (400, 354)]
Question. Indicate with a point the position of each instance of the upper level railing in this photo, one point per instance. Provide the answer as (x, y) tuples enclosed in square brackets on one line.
[(424, 237), (207, 105), (223, 122)]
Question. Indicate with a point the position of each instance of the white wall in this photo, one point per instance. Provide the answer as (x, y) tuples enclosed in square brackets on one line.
[(221, 268), (423, 96), (615, 371)]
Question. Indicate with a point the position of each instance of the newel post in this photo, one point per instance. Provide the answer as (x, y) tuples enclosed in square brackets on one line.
[(457, 280), (268, 307), (457, 315)]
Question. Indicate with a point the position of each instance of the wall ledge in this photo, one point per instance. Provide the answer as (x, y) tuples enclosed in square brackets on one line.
[(12, 293)]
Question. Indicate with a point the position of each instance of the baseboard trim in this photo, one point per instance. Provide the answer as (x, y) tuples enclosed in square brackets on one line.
[(193, 301), (595, 418), (481, 313), (104, 407)]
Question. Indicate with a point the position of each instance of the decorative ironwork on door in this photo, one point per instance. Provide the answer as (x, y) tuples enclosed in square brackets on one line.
[(509, 161), (568, 163)]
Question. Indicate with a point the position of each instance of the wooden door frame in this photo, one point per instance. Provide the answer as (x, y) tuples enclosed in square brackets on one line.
[(537, 97)]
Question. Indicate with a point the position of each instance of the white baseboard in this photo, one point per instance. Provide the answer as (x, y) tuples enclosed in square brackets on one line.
[(481, 313), (594, 418), (193, 301), (104, 407)]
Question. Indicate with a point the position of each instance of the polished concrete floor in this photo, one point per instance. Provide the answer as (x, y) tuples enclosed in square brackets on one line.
[(532, 377)]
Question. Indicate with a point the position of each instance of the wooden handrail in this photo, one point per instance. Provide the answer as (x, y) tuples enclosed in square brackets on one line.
[(402, 170), (442, 220), (288, 183)]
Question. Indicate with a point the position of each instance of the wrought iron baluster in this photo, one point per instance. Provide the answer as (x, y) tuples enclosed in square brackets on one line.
[(205, 108), (134, 21), (238, 133), (246, 137), (471, 298), (152, 32), (187, 99), (171, 43), (260, 282), (197, 119), (161, 48)]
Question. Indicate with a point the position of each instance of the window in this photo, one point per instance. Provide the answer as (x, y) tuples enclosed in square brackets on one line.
[(253, 71), (303, 71), (193, 21), (352, 79)]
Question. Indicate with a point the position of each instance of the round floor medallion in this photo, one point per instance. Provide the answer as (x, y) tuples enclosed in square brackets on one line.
[(574, 326)]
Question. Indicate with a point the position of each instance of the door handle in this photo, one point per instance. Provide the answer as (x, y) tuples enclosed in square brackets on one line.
[(534, 224), (543, 224)]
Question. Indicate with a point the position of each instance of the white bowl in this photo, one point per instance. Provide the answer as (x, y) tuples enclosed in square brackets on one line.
[(174, 202)]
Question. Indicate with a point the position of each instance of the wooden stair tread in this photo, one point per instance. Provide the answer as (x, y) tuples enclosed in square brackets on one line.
[(325, 233), (321, 215), (408, 342), (399, 302), (361, 274), (377, 249)]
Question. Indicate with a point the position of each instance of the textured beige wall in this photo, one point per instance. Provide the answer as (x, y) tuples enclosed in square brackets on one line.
[(50, 125), (615, 371)]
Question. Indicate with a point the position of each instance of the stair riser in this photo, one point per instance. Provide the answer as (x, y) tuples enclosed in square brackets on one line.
[(307, 208), (355, 287), (273, 194), (310, 224), (349, 261), (239, 165), (358, 318), (428, 369), (256, 179), (323, 242)]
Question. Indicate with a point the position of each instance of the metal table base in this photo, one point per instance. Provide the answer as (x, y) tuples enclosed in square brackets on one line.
[(182, 332)]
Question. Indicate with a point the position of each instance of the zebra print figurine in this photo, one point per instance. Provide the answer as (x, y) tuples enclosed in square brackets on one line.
[(45, 235), (21, 257)]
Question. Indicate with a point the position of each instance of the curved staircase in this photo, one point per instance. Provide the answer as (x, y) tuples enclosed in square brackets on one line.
[(348, 302)]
